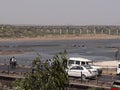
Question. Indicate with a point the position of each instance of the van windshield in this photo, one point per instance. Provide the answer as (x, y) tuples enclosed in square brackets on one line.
[(78, 62)]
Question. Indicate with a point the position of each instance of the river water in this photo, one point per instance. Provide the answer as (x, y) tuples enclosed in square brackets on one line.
[(90, 49)]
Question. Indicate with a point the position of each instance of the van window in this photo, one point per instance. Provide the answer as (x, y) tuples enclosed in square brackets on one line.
[(71, 62), (78, 62), (82, 63)]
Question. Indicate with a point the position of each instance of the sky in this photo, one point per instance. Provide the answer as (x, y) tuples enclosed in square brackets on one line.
[(60, 12)]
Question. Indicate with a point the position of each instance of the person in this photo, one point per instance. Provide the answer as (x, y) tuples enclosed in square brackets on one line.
[(13, 62), (117, 53), (50, 62), (10, 62)]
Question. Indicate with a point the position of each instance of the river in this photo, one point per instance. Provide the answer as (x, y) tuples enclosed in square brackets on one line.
[(92, 49)]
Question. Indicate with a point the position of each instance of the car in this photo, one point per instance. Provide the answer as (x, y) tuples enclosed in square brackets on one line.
[(118, 69), (84, 61), (99, 69), (83, 72), (115, 85)]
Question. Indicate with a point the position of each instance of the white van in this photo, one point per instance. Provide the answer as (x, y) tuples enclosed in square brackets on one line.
[(83, 61)]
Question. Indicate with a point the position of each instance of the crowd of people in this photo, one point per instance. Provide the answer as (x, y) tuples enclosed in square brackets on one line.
[(13, 62)]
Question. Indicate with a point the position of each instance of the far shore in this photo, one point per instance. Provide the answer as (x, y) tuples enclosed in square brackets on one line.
[(62, 37)]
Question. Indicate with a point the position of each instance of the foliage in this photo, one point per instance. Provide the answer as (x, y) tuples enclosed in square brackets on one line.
[(45, 77), (14, 31), (93, 88)]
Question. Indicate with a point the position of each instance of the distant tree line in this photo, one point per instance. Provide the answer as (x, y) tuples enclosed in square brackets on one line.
[(33, 31)]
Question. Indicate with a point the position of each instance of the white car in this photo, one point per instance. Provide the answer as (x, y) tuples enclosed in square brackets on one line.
[(82, 71), (83, 61)]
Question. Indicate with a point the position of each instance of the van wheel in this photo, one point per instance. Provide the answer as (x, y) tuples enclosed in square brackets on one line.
[(83, 77)]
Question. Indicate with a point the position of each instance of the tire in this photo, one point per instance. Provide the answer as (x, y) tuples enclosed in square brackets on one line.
[(83, 77)]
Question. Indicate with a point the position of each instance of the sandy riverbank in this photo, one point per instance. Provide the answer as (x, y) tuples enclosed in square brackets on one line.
[(113, 63), (66, 37)]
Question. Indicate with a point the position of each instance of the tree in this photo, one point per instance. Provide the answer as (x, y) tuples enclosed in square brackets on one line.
[(45, 77)]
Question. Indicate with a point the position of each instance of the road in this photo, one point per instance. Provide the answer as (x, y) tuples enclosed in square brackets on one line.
[(102, 78), (7, 68)]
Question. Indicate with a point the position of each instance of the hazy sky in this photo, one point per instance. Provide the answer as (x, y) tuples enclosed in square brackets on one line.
[(60, 12)]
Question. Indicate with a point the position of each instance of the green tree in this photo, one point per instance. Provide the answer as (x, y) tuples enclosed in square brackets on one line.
[(45, 77)]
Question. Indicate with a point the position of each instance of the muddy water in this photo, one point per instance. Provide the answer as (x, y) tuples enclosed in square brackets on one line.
[(26, 51)]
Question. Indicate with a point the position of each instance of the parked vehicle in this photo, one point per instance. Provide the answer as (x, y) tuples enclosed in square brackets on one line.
[(83, 61), (82, 71), (118, 69), (115, 85)]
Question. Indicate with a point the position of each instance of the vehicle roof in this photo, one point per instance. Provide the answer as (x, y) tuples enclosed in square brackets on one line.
[(80, 59)]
